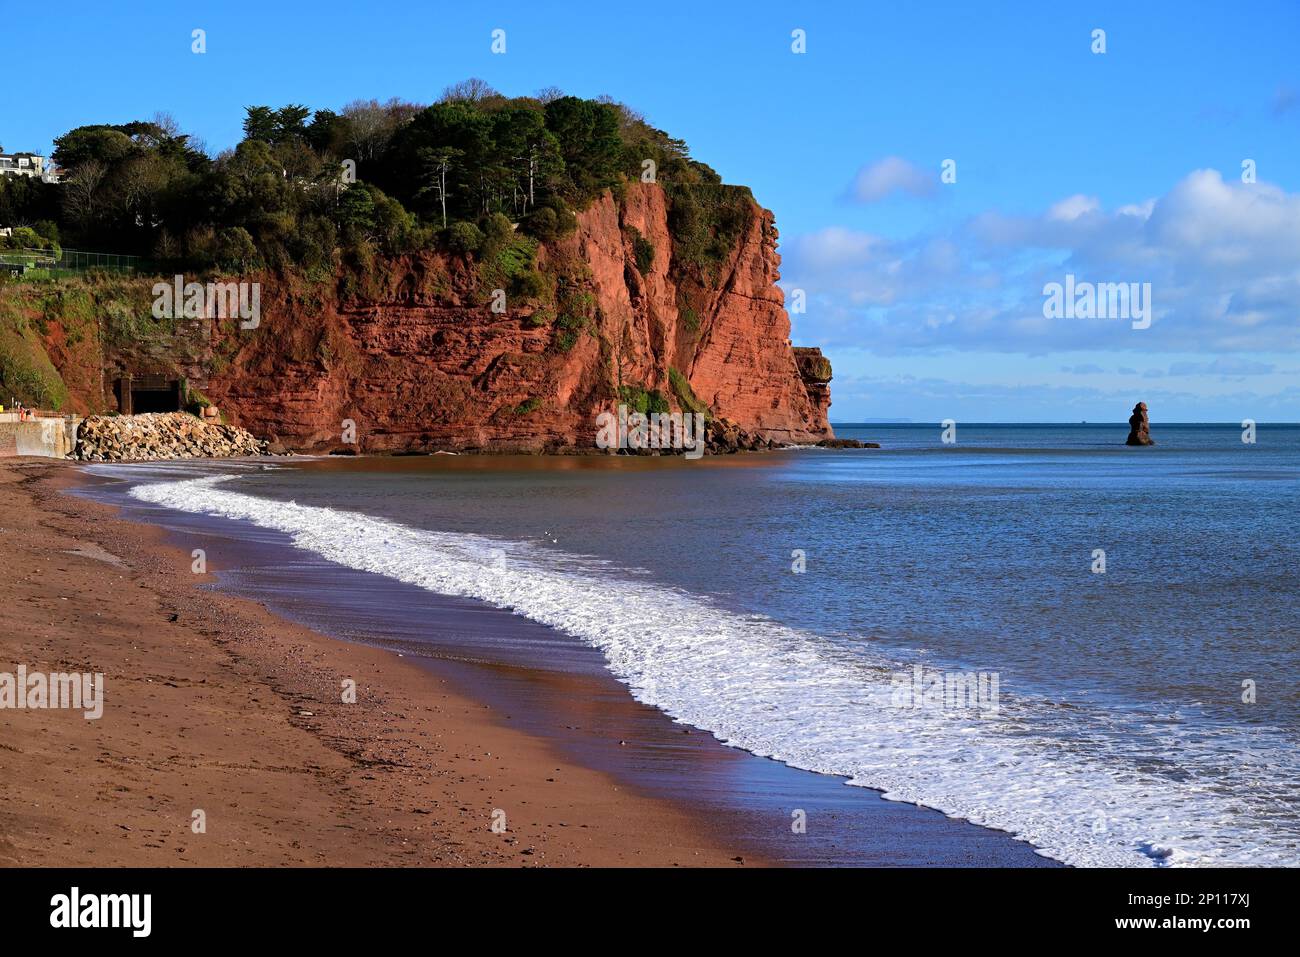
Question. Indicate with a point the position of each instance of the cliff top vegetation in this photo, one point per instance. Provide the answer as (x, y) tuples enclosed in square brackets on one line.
[(304, 187)]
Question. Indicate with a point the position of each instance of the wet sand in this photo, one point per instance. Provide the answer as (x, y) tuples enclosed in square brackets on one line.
[(213, 704), (484, 711)]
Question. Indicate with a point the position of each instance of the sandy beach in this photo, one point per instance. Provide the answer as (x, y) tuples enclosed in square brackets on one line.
[(214, 705), (223, 694)]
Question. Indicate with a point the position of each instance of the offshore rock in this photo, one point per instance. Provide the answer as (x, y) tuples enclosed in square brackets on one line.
[(1139, 427)]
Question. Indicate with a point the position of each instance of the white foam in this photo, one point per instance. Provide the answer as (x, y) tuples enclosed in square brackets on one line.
[(1061, 779)]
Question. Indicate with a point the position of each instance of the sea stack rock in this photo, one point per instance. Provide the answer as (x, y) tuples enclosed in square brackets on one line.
[(1139, 427)]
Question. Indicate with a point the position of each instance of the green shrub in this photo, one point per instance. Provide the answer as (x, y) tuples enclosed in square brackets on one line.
[(503, 265), (24, 237), (705, 220), (235, 248), (464, 238), (498, 232), (685, 394), (49, 231), (513, 258), (542, 224), (645, 401), (690, 319), (530, 284), (26, 372), (643, 250), (565, 220)]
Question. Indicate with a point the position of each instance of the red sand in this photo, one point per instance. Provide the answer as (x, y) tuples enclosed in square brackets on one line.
[(213, 704)]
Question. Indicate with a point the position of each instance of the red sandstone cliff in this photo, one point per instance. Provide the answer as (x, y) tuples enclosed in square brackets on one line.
[(413, 355), (422, 363)]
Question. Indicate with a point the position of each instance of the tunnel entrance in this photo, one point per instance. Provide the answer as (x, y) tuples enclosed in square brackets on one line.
[(149, 392)]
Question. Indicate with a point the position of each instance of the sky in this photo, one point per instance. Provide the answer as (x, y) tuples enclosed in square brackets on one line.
[(926, 291)]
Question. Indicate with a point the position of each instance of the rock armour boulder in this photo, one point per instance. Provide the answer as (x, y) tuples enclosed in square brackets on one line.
[(157, 436)]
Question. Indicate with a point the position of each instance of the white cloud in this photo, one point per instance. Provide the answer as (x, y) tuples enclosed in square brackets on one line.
[(1140, 210), (835, 247), (893, 174), (1072, 207), (1222, 258)]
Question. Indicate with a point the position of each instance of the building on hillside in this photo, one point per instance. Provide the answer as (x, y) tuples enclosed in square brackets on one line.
[(28, 164)]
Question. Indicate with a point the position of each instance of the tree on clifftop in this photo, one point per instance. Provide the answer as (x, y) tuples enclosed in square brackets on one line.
[(586, 133), (436, 166), (303, 186)]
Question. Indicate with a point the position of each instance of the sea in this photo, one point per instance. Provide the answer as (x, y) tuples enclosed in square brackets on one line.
[(1033, 628)]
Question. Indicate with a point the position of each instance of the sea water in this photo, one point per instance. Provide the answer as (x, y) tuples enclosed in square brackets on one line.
[(1137, 608)]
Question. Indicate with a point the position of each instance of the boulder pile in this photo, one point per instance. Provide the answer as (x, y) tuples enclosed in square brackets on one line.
[(160, 435), (723, 437)]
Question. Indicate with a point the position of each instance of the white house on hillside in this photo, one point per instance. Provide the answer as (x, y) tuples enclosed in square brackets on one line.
[(28, 164)]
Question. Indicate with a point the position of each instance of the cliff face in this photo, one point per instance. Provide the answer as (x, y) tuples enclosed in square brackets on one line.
[(421, 362), (416, 359), (738, 358)]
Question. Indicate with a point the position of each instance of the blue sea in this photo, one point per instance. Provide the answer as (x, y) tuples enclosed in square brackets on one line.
[(1132, 615)]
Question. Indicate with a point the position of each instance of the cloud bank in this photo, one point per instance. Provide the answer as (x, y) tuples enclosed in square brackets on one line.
[(1222, 257)]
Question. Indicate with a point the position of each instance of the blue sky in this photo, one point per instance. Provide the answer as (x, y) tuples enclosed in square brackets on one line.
[(1116, 167)]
